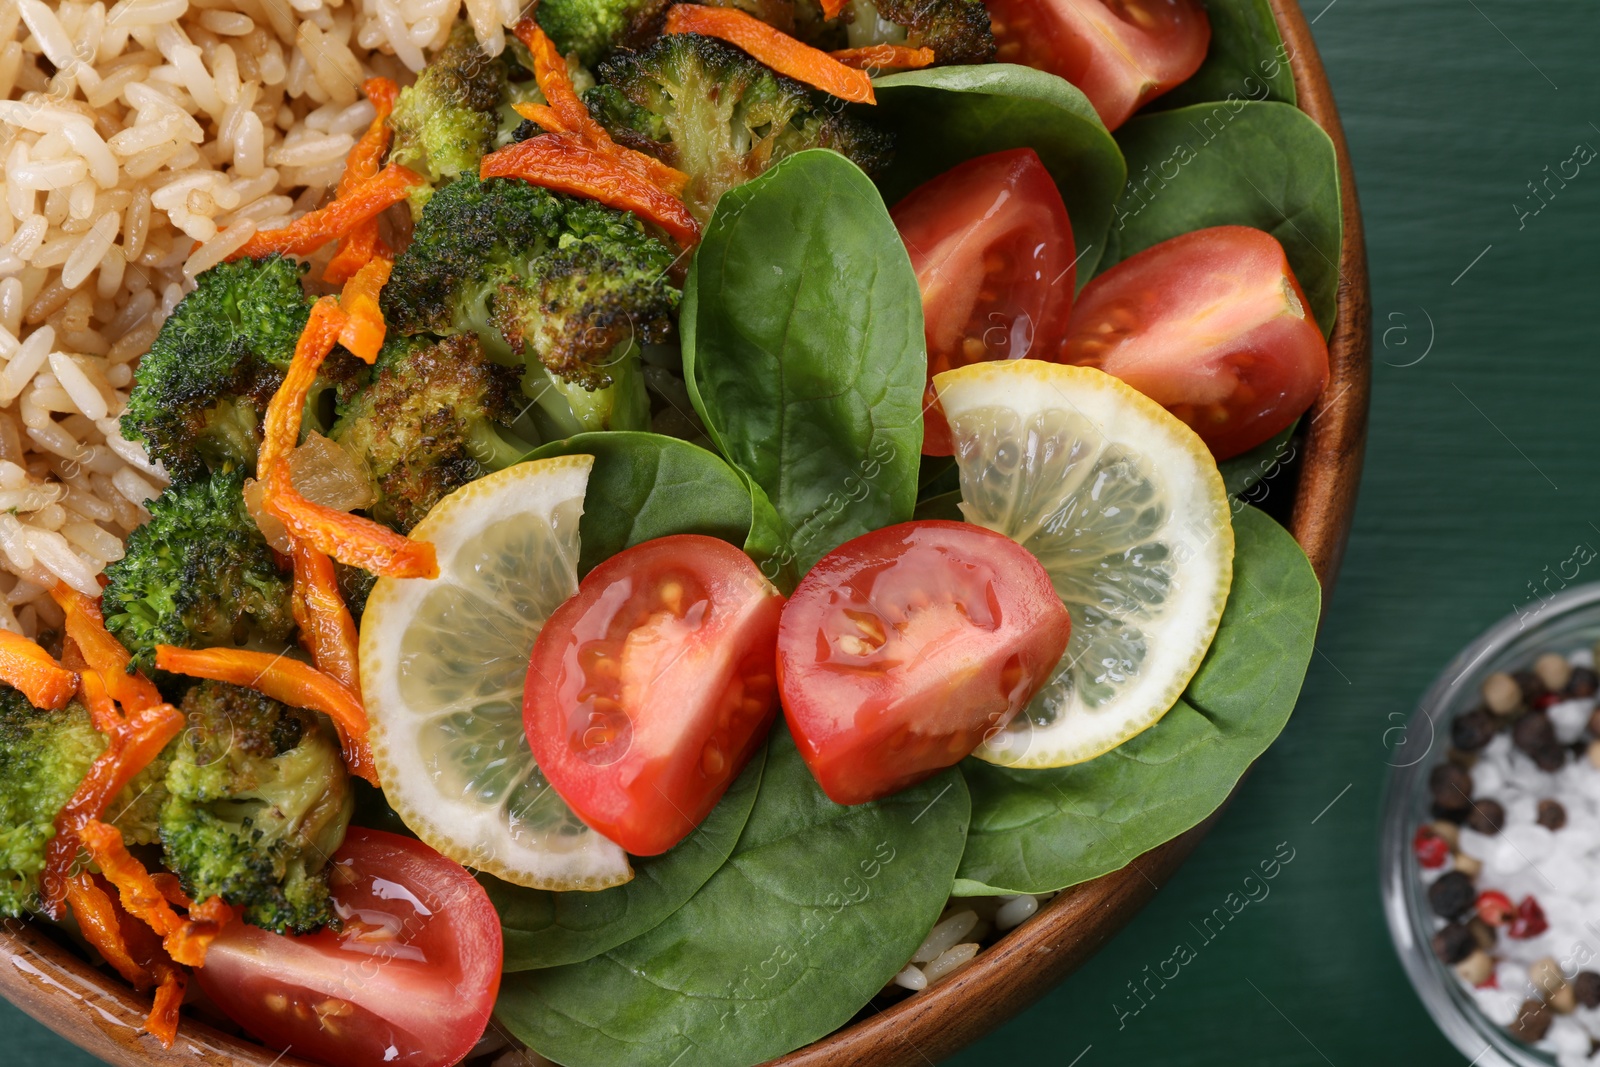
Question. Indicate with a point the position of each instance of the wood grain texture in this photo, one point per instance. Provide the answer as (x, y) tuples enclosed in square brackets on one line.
[(93, 1009)]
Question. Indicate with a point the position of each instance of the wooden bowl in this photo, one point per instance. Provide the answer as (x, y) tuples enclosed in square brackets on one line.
[(94, 1009)]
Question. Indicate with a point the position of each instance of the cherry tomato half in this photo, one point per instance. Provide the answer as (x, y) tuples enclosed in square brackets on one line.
[(904, 648), (650, 689), (1121, 53), (993, 252), (409, 979), (1213, 327)]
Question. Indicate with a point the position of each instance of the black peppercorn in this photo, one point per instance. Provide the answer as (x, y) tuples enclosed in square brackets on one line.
[(1453, 944), (1486, 816), (1550, 759), (1583, 683), (1473, 730), (1532, 732), (1452, 895), (1452, 788), (1587, 988), (1552, 816)]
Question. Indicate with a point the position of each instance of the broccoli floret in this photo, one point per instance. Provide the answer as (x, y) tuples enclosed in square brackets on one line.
[(259, 799), (446, 121), (44, 755), (957, 30), (430, 422), (566, 288), (200, 391), (198, 575), (711, 111), (591, 28)]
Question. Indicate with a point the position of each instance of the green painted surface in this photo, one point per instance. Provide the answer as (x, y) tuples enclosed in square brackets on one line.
[(1481, 473)]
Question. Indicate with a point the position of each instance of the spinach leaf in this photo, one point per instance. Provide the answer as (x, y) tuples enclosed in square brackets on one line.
[(646, 485), (817, 908), (803, 351), (947, 115), (1248, 59), (1036, 831), (1265, 165), (544, 929), (1259, 464)]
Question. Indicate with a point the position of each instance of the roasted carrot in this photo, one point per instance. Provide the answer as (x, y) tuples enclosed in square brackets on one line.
[(172, 890), (337, 218), (364, 328), (27, 667), (280, 427), (286, 680), (163, 1021), (564, 163), (326, 629), (184, 939), (775, 48), (363, 242), (132, 745), (97, 920), (102, 652), (885, 57)]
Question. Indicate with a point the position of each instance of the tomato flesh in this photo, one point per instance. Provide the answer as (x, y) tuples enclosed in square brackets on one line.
[(650, 689), (410, 978), (1121, 53), (993, 252), (1212, 326), (902, 649)]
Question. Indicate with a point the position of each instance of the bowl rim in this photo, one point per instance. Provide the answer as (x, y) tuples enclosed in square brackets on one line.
[(102, 1015), (1503, 645)]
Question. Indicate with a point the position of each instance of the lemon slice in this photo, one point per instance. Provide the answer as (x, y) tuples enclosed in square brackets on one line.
[(1123, 505), (442, 667)]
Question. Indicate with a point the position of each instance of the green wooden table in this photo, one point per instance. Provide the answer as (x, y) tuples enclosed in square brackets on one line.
[(1483, 474)]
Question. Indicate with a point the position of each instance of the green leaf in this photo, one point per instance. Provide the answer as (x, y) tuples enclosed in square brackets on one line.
[(1263, 461), (544, 929), (646, 485), (817, 908), (1037, 831), (1239, 163), (803, 351), (1247, 59), (947, 115)]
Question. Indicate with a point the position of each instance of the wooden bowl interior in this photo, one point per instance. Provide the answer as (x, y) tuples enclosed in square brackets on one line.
[(96, 1011)]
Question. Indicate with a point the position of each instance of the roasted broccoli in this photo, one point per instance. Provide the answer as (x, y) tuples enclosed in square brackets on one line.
[(43, 757), (258, 801), (431, 421), (591, 28), (458, 109), (957, 30), (200, 391), (198, 574), (710, 110), (568, 289)]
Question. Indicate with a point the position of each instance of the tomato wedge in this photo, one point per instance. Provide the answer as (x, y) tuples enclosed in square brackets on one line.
[(993, 252), (650, 689), (1121, 53), (904, 648), (1212, 326), (409, 979)]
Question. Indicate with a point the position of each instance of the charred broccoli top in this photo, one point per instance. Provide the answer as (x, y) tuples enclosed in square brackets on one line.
[(591, 28), (957, 30), (429, 423), (446, 121), (200, 392), (198, 574), (259, 800), (711, 111)]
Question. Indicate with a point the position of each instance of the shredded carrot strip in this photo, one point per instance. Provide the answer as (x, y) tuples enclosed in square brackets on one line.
[(133, 744), (289, 681), (364, 328), (326, 628), (348, 538), (775, 48), (336, 219), (213, 910), (832, 9), (97, 919), (163, 1021), (172, 890), (884, 57), (27, 667), (102, 652), (185, 939), (543, 115), (564, 163), (363, 242), (102, 711)]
